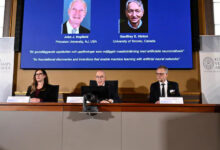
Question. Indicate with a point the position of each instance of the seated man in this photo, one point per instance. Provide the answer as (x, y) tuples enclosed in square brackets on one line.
[(163, 87), (100, 81)]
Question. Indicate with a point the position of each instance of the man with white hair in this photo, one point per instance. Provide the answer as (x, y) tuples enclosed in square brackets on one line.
[(134, 12), (76, 12)]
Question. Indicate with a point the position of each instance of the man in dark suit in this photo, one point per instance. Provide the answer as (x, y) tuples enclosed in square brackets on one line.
[(100, 81), (163, 87), (77, 12)]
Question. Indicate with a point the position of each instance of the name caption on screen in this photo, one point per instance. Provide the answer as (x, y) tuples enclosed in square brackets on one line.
[(76, 37), (133, 36)]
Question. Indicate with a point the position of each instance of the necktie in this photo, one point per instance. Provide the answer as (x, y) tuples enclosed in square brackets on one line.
[(163, 90)]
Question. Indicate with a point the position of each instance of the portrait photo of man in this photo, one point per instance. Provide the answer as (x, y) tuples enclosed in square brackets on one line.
[(74, 16), (134, 17)]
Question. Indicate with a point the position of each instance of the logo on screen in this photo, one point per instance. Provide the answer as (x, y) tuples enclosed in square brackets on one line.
[(208, 63), (4, 65)]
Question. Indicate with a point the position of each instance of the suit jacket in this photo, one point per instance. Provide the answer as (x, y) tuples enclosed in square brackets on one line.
[(112, 90), (49, 93), (172, 91), (81, 29)]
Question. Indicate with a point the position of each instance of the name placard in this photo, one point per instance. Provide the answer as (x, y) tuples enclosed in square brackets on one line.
[(171, 100), (74, 99), (18, 99)]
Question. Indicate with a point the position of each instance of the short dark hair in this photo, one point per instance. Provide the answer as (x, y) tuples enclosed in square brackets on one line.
[(163, 67)]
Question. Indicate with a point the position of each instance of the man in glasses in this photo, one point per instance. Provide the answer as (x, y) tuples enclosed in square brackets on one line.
[(112, 90), (163, 87)]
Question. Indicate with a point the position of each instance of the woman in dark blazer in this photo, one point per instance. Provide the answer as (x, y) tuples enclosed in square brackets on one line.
[(40, 90)]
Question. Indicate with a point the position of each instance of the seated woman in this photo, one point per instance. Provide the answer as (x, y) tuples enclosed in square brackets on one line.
[(40, 90)]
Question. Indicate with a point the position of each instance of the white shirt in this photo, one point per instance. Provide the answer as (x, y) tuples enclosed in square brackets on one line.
[(70, 29), (165, 87)]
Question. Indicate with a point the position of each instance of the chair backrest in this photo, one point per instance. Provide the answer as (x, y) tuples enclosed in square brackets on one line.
[(112, 83), (55, 90)]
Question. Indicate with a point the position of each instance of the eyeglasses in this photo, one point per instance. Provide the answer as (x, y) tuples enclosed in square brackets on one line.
[(160, 74), (38, 74), (99, 77)]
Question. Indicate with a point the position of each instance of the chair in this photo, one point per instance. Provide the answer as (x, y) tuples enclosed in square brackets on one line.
[(55, 91)]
